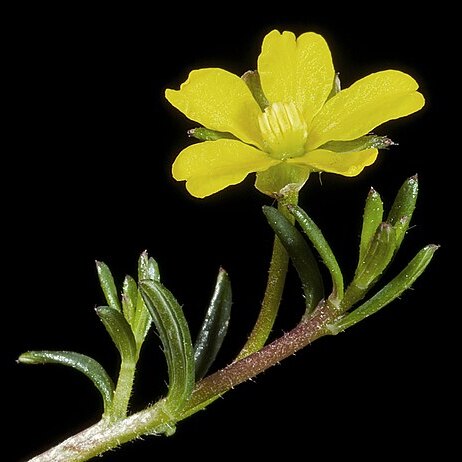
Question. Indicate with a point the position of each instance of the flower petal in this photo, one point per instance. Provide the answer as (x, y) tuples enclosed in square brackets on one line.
[(346, 164), (221, 101), (296, 70), (211, 166), (369, 102)]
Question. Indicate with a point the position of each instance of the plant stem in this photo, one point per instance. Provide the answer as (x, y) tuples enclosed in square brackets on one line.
[(106, 435), (274, 287), (215, 385), (123, 390)]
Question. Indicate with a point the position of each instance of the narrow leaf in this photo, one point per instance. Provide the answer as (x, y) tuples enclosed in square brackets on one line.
[(153, 270), (107, 284), (119, 330), (129, 299), (301, 255), (319, 242), (403, 207), (373, 216), (174, 333), (88, 366), (147, 268), (390, 292), (142, 321), (377, 257), (214, 327)]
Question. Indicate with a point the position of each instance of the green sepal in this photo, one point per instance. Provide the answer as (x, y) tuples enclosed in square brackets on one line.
[(214, 326), (174, 333), (282, 179), (390, 292), (403, 208), (205, 134), (88, 366), (319, 242), (120, 331), (336, 87), (372, 217), (107, 284), (301, 255), (359, 144), (252, 80)]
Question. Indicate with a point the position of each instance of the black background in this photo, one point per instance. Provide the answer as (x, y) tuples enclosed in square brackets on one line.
[(87, 177)]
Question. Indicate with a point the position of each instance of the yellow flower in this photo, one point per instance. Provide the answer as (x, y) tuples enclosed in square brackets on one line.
[(287, 120)]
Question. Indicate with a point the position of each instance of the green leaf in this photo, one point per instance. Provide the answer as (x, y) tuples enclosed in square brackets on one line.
[(403, 207), (300, 254), (377, 257), (119, 330), (147, 268), (88, 366), (373, 216), (214, 326), (141, 322), (129, 299), (316, 237), (390, 292), (107, 284), (174, 333)]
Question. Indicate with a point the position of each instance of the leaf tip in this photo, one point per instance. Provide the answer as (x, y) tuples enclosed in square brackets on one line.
[(26, 358), (373, 191), (98, 309), (433, 247)]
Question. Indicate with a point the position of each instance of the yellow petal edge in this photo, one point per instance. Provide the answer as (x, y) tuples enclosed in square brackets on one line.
[(211, 166), (366, 104), (219, 100)]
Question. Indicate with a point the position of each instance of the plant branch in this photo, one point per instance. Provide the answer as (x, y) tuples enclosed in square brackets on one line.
[(124, 387), (307, 331), (106, 435)]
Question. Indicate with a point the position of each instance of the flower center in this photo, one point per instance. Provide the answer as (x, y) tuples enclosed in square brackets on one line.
[(284, 131)]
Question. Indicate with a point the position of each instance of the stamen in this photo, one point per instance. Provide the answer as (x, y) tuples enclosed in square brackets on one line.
[(284, 130)]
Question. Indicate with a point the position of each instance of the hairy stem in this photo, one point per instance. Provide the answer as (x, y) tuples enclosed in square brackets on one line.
[(274, 288), (123, 390), (106, 435), (215, 385)]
